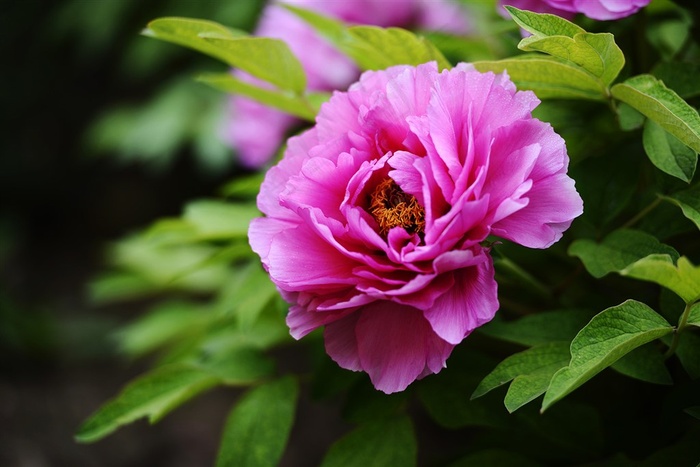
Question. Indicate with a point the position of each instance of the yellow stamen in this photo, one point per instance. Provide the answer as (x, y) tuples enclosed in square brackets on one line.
[(391, 207)]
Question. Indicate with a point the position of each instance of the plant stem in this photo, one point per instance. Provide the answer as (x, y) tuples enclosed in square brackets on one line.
[(682, 322), (640, 215)]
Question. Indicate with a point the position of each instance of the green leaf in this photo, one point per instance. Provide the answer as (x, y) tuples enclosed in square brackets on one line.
[(530, 371), (380, 443), (248, 295), (667, 153), (265, 58), (689, 202), (187, 32), (543, 25), (373, 48), (385, 47), (548, 77), (610, 335), (235, 365), (540, 328), (682, 77), (257, 428), (290, 103), (629, 118), (597, 54), (217, 219), (688, 352), (682, 278), (617, 251), (694, 315), (152, 396), (660, 104), (166, 322), (645, 363)]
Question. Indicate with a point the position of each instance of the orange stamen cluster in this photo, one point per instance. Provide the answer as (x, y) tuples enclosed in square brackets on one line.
[(391, 207)]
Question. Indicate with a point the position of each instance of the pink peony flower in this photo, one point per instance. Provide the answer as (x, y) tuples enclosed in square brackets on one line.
[(376, 217), (257, 131), (596, 9)]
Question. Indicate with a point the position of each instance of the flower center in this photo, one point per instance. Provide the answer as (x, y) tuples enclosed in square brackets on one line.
[(391, 207)]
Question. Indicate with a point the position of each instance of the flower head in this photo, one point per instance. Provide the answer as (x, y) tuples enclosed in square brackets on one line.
[(257, 131), (375, 219), (596, 9)]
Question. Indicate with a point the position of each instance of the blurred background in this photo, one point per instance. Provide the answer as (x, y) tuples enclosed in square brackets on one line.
[(103, 131)]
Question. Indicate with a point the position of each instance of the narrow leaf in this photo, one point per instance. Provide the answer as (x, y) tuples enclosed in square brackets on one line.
[(530, 372), (186, 32), (660, 104), (269, 59), (617, 251), (543, 24), (689, 202), (610, 335), (683, 278), (380, 443), (151, 395), (373, 48), (667, 153), (547, 77), (285, 101), (257, 429)]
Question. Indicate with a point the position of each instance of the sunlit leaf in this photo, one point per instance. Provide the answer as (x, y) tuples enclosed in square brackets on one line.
[(257, 428), (610, 335), (543, 25), (683, 278), (618, 250), (663, 106), (373, 48), (547, 77), (290, 103), (379, 443)]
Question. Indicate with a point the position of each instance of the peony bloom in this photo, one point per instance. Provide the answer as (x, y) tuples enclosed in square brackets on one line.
[(376, 217), (257, 131), (602, 10)]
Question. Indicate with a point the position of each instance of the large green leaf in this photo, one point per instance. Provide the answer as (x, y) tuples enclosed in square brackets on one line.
[(609, 336), (689, 202), (530, 371), (617, 251), (547, 77), (540, 328), (290, 103), (265, 58), (667, 153), (660, 104), (380, 443), (595, 53), (151, 395), (257, 429), (682, 278), (373, 48)]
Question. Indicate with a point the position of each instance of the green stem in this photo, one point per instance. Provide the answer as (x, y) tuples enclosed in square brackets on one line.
[(682, 323), (641, 214)]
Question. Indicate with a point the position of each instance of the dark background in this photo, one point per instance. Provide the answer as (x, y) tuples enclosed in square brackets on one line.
[(65, 66)]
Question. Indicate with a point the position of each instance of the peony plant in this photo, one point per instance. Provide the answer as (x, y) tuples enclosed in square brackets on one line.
[(542, 203)]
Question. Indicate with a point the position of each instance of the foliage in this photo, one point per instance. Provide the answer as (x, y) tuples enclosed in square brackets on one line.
[(620, 292)]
